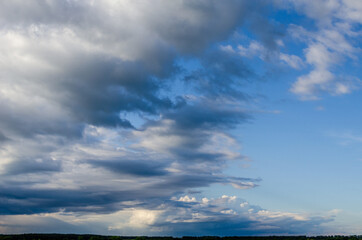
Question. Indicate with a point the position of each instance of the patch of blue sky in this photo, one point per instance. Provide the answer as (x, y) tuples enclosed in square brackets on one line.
[(307, 152), (297, 158), (289, 16), (177, 87)]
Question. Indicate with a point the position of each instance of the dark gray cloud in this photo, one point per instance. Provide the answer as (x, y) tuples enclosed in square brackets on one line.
[(23, 166), (37, 224), (207, 115), (22, 200), (3, 138), (38, 12), (140, 168), (101, 90), (238, 226), (17, 198)]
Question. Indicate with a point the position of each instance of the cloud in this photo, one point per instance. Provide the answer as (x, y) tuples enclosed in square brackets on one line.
[(64, 72), (292, 60), (3, 138), (37, 223), (141, 168), (124, 165), (324, 11), (225, 217), (23, 166), (72, 70), (221, 75), (185, 198), (329, 45), (256, 49), (179, 216)]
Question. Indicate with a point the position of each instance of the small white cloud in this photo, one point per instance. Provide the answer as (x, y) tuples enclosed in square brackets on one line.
[(205, 201), (271, 214), (243, 185), (292, 60), (308, 86), (320, 108), (280, 43), (143, 217), (244, 204), (254, 49), (229, 211), (319, 56), (228, 198), (227, 48), (342, 89), (335, 211), (186, 198)]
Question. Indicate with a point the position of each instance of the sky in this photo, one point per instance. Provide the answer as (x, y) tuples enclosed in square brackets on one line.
[(182, 117)]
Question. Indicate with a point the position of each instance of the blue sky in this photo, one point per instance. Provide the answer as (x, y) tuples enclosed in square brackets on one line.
[(181, 117)]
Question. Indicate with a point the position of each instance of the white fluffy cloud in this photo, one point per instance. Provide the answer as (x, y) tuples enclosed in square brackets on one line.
[(331, 44)]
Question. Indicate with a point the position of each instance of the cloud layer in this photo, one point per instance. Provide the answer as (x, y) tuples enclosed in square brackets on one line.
[(116, 109), (178, 216), (76, 76)]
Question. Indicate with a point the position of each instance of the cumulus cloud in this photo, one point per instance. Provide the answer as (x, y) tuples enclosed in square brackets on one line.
[(330, 44)]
